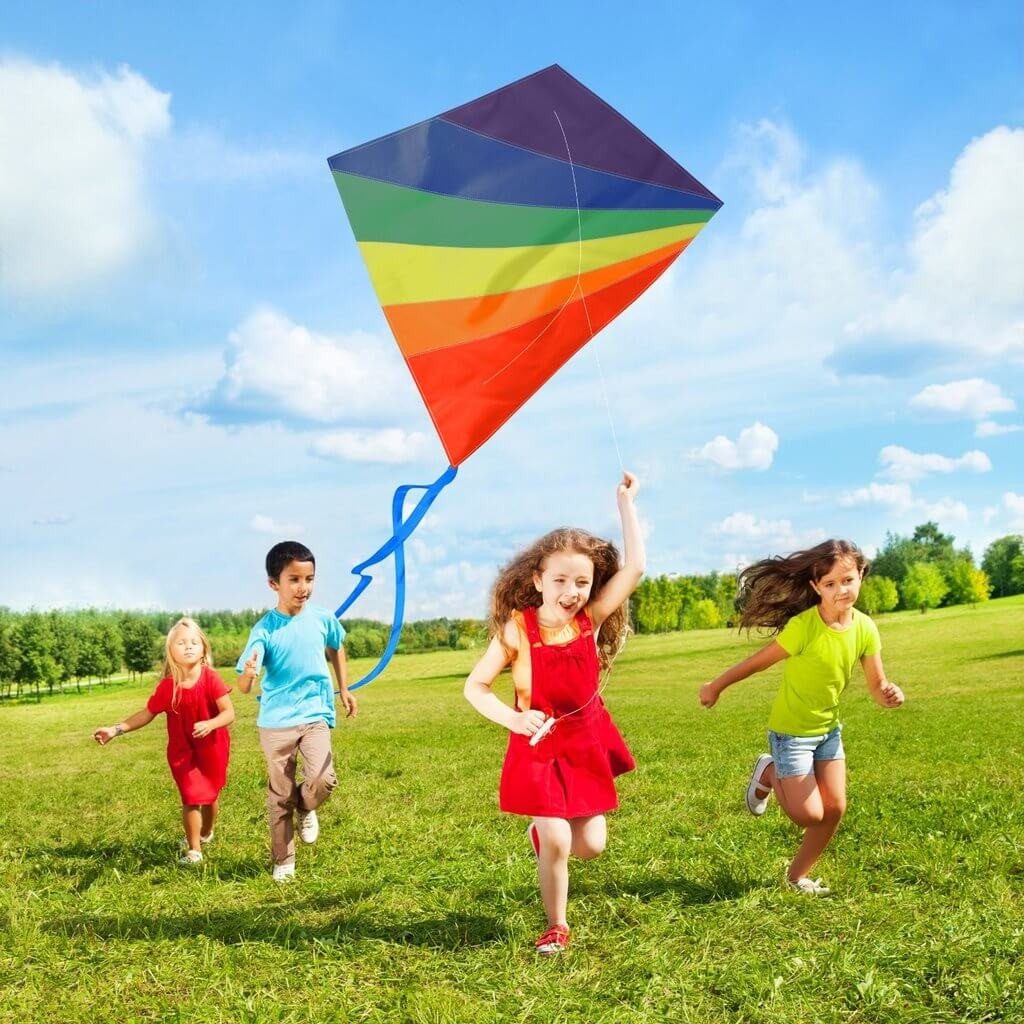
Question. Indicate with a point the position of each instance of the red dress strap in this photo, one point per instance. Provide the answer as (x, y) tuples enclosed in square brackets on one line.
[(583, 623), (532, 628)]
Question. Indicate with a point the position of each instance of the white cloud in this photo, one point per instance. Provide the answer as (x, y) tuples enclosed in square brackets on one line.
[(1014, 505), (975, 398), (796, 270), (278, 369), (964, 283), (897, 495), (73, 204), (777, 533), (753, 449), (199, 154), (390, 445), (903, 464), (267, 524), (57, 519), (901, 499), (989, 428), (426, 553)]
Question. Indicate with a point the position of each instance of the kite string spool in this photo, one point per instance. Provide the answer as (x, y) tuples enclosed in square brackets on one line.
[(583, 298)]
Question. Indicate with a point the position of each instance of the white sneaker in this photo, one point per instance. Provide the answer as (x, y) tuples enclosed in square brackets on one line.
[(309, 826), (190, 857), (282, 872), (809, 887), (757, 804), (203, 840)]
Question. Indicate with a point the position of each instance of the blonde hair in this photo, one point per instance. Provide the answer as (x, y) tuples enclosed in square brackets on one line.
[(514, 588), (775, 589), (171, 668)]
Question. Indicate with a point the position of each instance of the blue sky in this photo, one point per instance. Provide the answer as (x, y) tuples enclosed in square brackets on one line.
[(195, 364)]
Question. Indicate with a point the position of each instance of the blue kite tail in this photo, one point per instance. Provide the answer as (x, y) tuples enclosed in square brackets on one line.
[(402, 530)]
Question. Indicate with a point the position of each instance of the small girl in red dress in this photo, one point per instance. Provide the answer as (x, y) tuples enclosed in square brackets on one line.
[(558, 615), (198, 710)]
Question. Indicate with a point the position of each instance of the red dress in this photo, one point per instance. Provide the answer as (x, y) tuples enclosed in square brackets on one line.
[(570, 773), (199, 766)]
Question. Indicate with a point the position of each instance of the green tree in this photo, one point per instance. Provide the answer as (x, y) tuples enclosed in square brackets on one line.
[(35, 642), (878, 594), (141, 644), (703, 614), (1017, 574), (725, 597), (924, 586), (967, 584), (9, 658), (998, 565)]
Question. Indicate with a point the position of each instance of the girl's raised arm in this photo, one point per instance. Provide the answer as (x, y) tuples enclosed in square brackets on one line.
[(137, 721), (479, 693), (770, 654), (617, 590)]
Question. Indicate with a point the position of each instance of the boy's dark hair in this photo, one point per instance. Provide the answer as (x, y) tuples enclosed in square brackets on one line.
[(280, 555)]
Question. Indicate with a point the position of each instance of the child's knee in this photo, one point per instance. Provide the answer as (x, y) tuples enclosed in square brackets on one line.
[(325, 783), (588, 849), (808, 816), (834, 811)]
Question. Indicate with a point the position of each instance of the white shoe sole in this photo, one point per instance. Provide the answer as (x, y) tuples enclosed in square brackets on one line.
[(757, 805)]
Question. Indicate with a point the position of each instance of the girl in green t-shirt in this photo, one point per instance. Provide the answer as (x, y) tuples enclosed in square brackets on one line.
[(807, 599)]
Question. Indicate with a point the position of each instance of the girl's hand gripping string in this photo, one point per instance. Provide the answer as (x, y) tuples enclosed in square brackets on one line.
[(628, 489), (526, 723), (106, 734)]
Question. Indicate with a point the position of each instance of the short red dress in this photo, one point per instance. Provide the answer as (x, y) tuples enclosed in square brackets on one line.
[(199, 766), (571, 772)]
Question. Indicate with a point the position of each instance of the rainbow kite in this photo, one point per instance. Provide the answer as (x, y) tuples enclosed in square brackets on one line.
[(500, 237)]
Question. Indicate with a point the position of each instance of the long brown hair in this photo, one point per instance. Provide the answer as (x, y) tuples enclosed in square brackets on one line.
[(514, 588), (775, 589), (171, 668)]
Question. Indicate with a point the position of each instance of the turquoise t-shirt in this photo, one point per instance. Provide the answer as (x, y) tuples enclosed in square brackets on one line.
[(820, 663), (296, 687)]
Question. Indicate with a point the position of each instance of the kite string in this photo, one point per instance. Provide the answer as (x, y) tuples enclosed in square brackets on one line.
[(583, 298)]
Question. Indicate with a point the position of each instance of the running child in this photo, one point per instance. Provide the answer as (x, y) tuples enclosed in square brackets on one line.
[(558, 617), (807, 599), (294, 643), (198, 709)]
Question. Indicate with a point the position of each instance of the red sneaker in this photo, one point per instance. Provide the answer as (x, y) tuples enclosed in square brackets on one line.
[(554, 940)]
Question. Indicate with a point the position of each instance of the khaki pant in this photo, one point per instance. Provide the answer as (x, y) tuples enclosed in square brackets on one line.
[(284, 795)]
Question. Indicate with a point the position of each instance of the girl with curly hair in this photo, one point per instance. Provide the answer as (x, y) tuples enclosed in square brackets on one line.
[(558, 617)]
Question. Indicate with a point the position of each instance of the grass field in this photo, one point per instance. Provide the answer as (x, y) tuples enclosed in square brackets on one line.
[(419, 901)]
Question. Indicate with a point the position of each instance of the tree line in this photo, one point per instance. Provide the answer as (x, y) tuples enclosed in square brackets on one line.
[(924, 570), (52, 651)]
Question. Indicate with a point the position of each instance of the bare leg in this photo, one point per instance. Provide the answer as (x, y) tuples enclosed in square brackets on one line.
[(589, 836), (210, 812), (831, 785), (556, 839), (191, 818)]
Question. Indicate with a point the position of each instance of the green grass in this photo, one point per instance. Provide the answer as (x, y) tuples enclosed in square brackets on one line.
[(419, 902)]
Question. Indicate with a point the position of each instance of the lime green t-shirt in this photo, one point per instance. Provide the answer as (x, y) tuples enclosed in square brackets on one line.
[(820, 663)]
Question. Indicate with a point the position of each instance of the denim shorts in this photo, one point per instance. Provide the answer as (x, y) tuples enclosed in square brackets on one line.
[(795, 755)]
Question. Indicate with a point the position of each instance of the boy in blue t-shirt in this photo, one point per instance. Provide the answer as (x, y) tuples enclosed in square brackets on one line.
[(296, 699)]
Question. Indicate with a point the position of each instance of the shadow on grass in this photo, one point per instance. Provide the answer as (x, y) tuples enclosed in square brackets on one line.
[(998, 656), (83, 863), (283, 926), (687, 891)]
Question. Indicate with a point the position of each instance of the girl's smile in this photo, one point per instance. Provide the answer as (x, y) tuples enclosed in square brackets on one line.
[(564, 582)]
